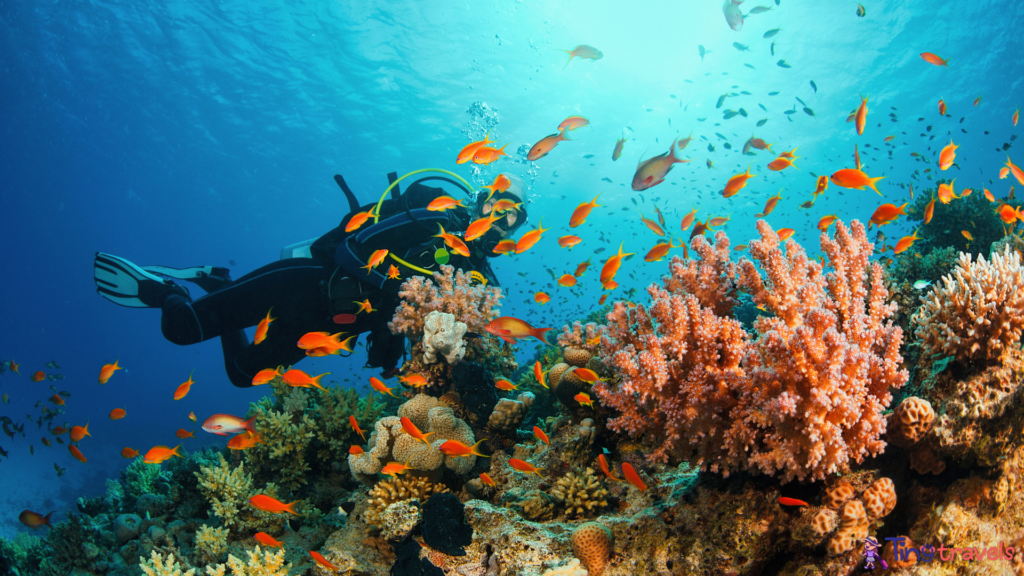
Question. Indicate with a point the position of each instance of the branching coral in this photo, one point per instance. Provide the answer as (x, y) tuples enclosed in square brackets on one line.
[(801, 400), (388, 492), (977, 313)]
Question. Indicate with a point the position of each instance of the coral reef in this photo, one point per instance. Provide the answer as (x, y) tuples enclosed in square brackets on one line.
[(442, 336), (977, 313)]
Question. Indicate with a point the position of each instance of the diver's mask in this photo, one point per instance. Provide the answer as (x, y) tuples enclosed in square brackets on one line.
[(511, 220)]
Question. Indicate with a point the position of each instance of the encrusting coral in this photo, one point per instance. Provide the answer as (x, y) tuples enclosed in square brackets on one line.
[(977, 313), (801, 400)]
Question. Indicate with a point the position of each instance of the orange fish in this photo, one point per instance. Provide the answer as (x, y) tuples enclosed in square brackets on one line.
[(505, 385), (375, 259), (355, 450), (364, 306), (946, 192), (653, 171), (569, 241), (581, 268), (854, 178), (942, 107), (862, 116), (107, 371), (785, 233), (506, 246), (539, 373), (469, 150), (530, 238), (457, 449), (584, 399), (299, 379), (736, 183), (266, 375), (358, 219), (442, 203), (414, 380), (454, 242), (182, 390), (486, 155), (545, 145), (268, 540), (947, 156), (129, 453), (769, 206), (355, 427), (541, 435), (603, 462), (323, 561), (39, 376), (77, 454), (933, 59), (182, 434), (905, 243), (379, 386), (617, 152), (226, 424), (929, 211), (117, 413), (262, 327), (780, 164), (967, 235), (886, 214), (1015, 170), (632, 477), (480, 226), (510, 329), (272, 505), (393, 469), (587, 375), (611, 266), (579, 215), (56, 399), (522, 466), (567, 280), (33, 520), (486, 479), (413, 431), (826, 221), (791, 501), (500, 184), (245, 440), (79, 432), (688, 219), (541, 298)]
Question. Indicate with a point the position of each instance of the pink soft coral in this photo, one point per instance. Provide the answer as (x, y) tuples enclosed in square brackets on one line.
[(802, 400)]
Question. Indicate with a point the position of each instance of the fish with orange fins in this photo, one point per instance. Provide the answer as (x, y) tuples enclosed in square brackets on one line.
[(105, 372), (862, 115), (947, 156), (933, 59), (905, 243), (34, 520), (545, 145), (266, 375), (856, 179), (160, 454), (736, 183), (442, 203), (411, 429), (511, 329), (579, 215), (653, 171), (629, 473), (265, 503), (184, 388), (454, 242), (358, 219), (267, 540), (379, 386), (769, 205), (355, 427), (523, 466), (526, 241), (469, 150), (262, 327), (457, 449), (226, 424), (299, 379), (393, 469)]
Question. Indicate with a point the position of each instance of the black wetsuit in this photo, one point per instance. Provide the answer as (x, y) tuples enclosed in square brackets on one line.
[(321, 294)]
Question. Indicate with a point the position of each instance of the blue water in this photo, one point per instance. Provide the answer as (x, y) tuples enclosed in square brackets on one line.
[(188, 133)]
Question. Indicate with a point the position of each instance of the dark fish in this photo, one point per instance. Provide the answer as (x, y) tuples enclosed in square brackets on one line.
[(782, 64), (815, 86), (771, 33), (741, 47), (761, 122)]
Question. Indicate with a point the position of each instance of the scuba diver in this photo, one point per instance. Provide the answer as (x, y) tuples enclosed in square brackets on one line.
[(320, 285)]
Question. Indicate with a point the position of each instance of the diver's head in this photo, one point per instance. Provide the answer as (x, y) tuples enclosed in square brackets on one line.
[(513, 201)]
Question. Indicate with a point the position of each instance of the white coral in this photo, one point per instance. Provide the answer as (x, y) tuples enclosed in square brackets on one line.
[(442, 335), (977, 312)]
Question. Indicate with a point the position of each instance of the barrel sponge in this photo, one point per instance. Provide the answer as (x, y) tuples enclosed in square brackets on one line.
[(879, 498), (416, 409), (593, 544)]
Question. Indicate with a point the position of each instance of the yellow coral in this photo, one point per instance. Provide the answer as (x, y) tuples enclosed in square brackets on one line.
[(260, 564), (160, 565), (211, 544), (388, 492)]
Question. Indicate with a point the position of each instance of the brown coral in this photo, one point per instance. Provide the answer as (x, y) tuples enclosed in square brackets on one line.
[(593, 543), (388, 492)]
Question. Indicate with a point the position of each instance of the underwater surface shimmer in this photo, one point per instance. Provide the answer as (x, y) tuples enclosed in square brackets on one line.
[(690, 288)]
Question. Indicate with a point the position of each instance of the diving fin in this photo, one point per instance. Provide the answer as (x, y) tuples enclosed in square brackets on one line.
[(126, 284)]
